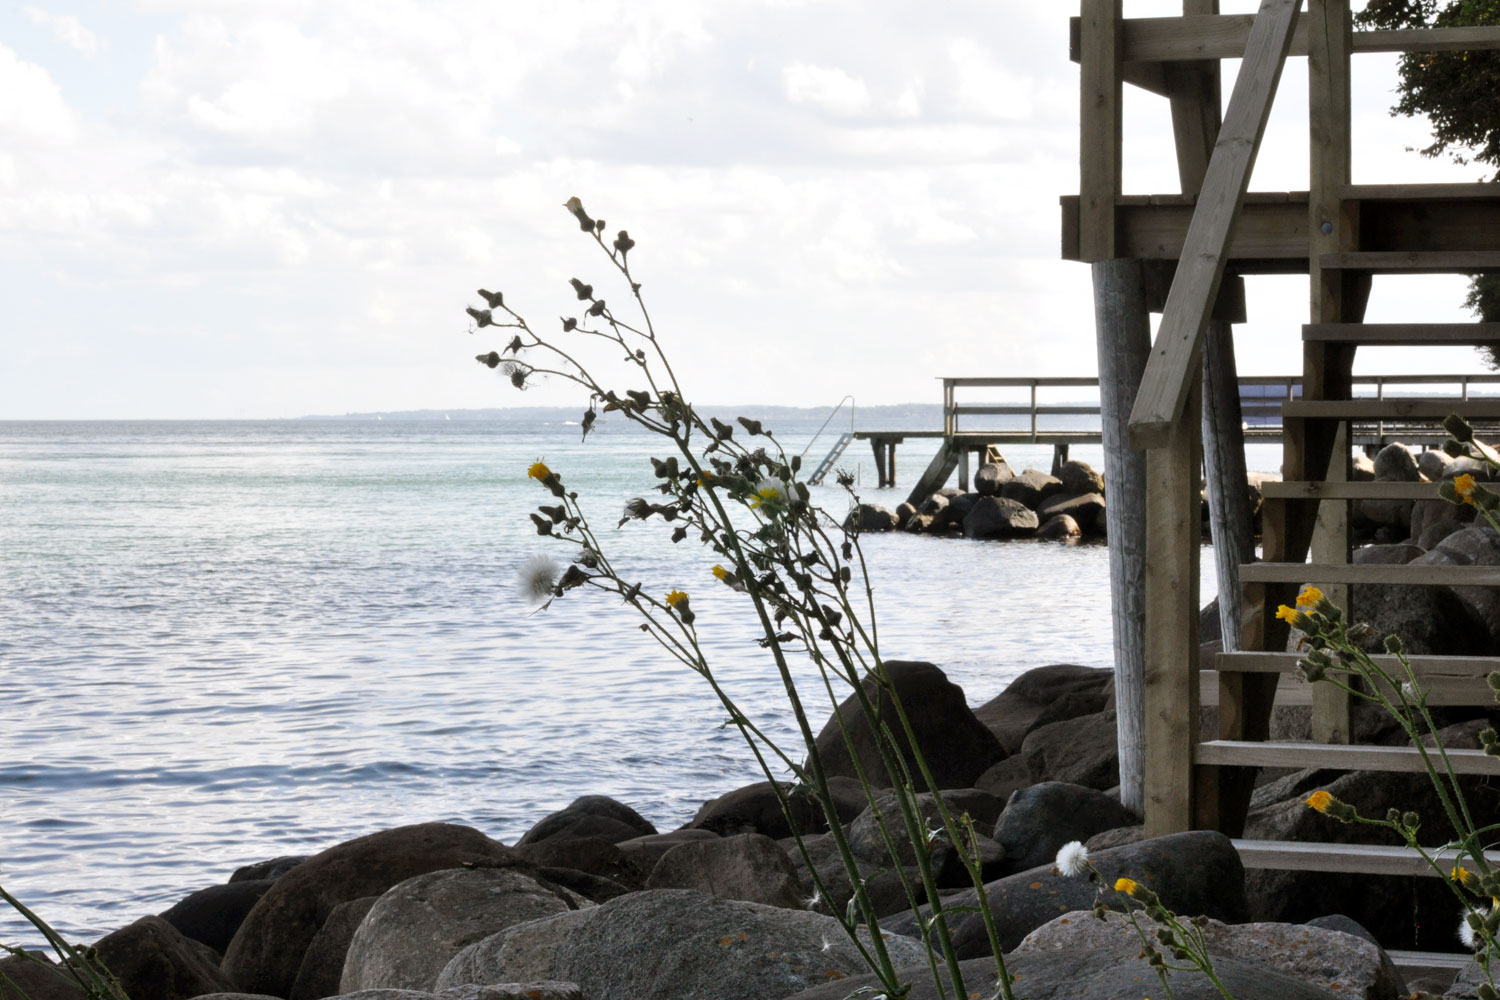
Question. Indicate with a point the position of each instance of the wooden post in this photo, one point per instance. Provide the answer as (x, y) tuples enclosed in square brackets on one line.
[(1100, 89), (1123, 335), (1231, 518), (1173, 517)]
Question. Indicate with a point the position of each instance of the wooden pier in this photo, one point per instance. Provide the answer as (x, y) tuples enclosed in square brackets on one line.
[(1260, 404)]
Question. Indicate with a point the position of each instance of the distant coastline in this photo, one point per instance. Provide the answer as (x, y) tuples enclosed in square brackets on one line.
[(897, 416)]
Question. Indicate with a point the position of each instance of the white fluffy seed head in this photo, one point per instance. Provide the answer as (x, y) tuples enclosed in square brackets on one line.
[(1073, 859), (538, 578)]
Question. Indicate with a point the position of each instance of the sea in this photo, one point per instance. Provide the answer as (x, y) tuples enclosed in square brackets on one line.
[(222, 642)]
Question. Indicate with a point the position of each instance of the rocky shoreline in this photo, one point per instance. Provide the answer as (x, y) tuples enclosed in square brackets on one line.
[(595, 903)]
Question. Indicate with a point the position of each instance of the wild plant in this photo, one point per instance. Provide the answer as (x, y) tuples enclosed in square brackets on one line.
[(75, 964), (800, 571)]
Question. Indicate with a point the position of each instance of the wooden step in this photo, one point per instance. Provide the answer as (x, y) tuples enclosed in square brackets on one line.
[(1370, 859), (1462, 191), (1337, 756), (1416, 576), (1392, 408), (1316, 490), (1429, 262), (1469, 667), (1403, 334)]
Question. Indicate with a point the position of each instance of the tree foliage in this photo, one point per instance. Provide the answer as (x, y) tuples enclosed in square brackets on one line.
[(1459, 93)]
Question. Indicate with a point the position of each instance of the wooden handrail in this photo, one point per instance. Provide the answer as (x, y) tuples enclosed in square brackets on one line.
[(1225, 36), (1172, 369)]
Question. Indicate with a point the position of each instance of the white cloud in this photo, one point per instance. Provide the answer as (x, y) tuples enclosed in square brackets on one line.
[(829, 90), (68, 30), (32, 107)]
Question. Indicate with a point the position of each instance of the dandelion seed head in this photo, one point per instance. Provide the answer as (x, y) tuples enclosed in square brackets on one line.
[(538, 578), (1073, 859)]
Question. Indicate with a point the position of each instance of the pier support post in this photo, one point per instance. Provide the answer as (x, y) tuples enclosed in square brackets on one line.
[(1124, 343), (1231, 518)]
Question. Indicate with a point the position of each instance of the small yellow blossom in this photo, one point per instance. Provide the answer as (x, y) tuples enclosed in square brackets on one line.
[(675, 598), (1464, 877), (538, 471), (1288, 614), (1309, 597), (767, 491), (721, 573), (1465, 488), (1320, 800), (1125, 885)]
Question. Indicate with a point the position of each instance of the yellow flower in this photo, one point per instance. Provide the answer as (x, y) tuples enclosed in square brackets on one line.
[(675, 598), (538, 471), (1464, 877), (1320, 800), (721, 572), (1309, 597), (767, 491), (1464, 486), (1126, 885), (1287, 614)]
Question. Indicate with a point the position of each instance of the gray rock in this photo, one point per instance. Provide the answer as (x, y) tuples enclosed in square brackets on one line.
[(1434, 531), (871, 517), (1194, 873), (1361, 470), (1078, 478), (418, 925), (934, 504), (1346, 925), (995, 517), (1476, 545), (1013, 713), (551, 989), (1342, 964), (749, 866), (756, 809), (590, 816), (1083, 751), (866, 840), (1395, 464), (645, 852), (957, 746), (1086, 509), (671, 944), (904, 513), (267, 951), (151, 958), (35, 976), (1386, 555), (1040, 819), (990, 477), (323, 962), (1429, 620), (1060, 528), (272, 869), (833, 888), (1031, 488), (589, 855), (1005, 778), (212, 915), (1433, 464), (1110, 974)]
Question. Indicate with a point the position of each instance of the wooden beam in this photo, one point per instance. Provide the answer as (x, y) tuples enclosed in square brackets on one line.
[(1352, 757), (1149, 40), (1399, 574), (1171, 372), (1099, 128)]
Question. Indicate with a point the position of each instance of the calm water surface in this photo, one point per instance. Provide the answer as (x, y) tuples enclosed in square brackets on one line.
[(221, 642)]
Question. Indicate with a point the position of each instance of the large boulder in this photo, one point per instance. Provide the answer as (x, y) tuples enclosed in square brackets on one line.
[(1196, 873), (1083, 750), (1059, 528), (272, 869), (1031, 488), (267, 950), (1476, 545), (34, 976), (1086, 509), (1014, 712), (590, 816), (1040, 819), (668, 944), (212, 915), (645, 852), (995, 517), (990, 477), (749, 866), (957, 746), (872, 517), (1342, 964), (590, 855), (323, 963), (1429, 620), (418, 925), (151, 958), (757, 809), (869, 843), (1396, 464), (1078, 478)]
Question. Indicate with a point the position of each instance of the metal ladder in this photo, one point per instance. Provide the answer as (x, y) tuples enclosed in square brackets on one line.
[(834, 453)]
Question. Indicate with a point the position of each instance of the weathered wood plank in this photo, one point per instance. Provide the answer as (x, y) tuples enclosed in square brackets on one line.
[(1100, 128), (1345, 757), (1389, 408), (1172, 367), (1403, 334), (1177, 39), (1327, 490), (1415, 576), (1414, 262), (1424, 666), (1369, 859)]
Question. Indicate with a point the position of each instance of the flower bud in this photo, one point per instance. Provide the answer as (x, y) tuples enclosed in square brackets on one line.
[(1458, 428)]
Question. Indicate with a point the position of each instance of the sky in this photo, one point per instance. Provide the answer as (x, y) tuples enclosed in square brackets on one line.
[(270, 208)]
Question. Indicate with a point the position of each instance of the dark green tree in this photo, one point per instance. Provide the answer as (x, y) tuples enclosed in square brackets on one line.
[(1459, 93)]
